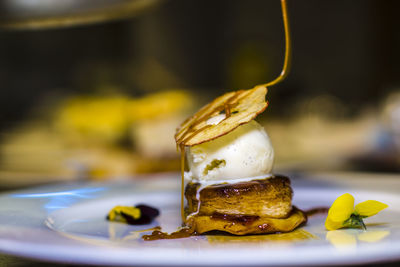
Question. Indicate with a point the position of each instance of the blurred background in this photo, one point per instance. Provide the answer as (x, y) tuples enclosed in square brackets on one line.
[(95, 89)]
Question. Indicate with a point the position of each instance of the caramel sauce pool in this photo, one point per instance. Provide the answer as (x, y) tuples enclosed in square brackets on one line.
[(157, 234)]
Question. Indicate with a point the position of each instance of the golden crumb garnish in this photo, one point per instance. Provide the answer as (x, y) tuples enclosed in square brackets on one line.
[(221, 116)]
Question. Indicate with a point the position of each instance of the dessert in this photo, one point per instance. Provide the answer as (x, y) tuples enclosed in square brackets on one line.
[(229, 182), (226, 160)]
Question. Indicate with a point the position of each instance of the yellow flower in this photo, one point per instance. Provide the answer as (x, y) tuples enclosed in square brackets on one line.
[(343, 214)]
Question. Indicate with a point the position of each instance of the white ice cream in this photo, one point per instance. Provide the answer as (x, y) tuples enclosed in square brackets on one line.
[(243, 153)]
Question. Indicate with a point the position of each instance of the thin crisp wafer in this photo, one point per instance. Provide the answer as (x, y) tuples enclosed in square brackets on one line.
[(239, 107)]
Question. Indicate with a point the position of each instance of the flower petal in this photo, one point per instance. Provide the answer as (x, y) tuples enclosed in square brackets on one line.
[(369, 208), (331, 225), (341, 208)]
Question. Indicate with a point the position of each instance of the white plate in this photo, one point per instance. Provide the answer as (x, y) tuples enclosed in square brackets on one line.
[(66, 223)]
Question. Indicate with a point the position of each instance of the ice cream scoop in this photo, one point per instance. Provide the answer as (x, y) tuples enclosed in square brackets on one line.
[(242, 153)]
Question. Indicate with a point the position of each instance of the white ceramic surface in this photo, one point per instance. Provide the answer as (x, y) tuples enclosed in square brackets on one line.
[(66, 223)]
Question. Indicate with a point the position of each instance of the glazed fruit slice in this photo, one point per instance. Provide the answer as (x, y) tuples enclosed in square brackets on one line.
[(243, 225)]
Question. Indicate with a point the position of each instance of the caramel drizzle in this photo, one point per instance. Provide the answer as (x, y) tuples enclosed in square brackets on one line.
[(182, 148), (202, 116), (227, 108), (288, 49), (318, 210)]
